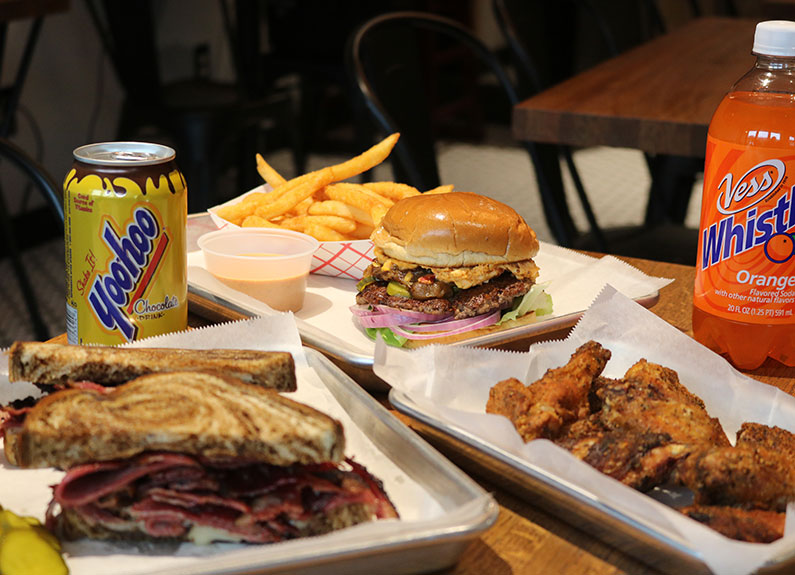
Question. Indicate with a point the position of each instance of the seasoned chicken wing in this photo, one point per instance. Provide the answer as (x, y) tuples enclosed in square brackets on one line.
[(776, 438), (639, 460), (559, 397), (754, 477), (646, 429), (650, 399), (752, 525)]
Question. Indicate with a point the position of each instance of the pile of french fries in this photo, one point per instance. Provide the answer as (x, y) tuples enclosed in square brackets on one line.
[(321, 203)]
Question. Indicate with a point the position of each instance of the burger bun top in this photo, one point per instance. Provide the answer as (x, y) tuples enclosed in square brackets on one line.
[(453, 230)]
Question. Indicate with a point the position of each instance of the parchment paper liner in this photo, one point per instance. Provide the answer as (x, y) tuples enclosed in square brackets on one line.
[(452, 384)]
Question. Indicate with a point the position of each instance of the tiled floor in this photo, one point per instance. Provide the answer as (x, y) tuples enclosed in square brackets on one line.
[(617, 181)]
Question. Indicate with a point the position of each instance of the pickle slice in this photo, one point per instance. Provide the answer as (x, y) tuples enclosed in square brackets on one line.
[(397, 289), (24, 552)]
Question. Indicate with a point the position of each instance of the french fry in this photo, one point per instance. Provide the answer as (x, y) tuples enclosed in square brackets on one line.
[(324, 234), (268, 174), (297, 194), (392, 190), (356, 195), (255, 221), (321, 203), (362, 231), (236, 213), (302, 207), (336, 223), (378, 211), (338, 208), (441, 189), (365, 161)]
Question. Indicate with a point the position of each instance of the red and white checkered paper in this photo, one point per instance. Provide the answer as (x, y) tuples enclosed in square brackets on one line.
[(337, 259)]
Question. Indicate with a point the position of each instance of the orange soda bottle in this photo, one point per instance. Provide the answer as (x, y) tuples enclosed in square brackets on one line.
[(744, 299)]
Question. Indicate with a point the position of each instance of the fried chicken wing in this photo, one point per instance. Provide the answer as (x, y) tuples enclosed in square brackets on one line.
[(646, 429), (752, 525), (754, 477), (650, 399), (559, 397), (776, 438), (639, 460)]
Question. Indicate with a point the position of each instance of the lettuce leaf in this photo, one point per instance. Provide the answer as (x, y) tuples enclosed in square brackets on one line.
[(390, 337), (535, 300)]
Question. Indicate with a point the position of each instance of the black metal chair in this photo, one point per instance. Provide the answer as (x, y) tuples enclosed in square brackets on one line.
[(662, 235), (29, 167), (51, 191), (384, 61)]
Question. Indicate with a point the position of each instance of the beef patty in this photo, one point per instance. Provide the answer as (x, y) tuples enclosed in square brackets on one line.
[(499, 293)]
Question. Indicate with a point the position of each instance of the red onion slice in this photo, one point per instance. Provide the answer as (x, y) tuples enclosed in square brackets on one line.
[(382, 320), (461, 326), (371, 318), (359, 310), (415, 316)]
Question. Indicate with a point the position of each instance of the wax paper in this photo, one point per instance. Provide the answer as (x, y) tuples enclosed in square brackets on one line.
[(451, 386), (28, 492)]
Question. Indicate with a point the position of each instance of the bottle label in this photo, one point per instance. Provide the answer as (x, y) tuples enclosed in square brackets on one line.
[(746, 251)]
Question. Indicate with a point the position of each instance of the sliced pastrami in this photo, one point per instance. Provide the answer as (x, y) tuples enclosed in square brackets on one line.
[(87, 483)]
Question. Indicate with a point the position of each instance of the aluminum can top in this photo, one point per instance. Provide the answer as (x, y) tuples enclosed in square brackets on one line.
[(124, 153)]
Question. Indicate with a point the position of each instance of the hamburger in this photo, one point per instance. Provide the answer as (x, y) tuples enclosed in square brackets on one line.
[(446, 264)]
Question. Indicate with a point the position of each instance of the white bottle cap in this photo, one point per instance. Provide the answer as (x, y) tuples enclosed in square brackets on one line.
[(775, 38)]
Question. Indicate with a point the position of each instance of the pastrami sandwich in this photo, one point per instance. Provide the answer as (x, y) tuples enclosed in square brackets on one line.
[(195, 457), (52, 367), (447, 264)]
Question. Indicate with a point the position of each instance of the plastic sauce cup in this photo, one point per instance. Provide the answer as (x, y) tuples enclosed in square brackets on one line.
[(269, 265)]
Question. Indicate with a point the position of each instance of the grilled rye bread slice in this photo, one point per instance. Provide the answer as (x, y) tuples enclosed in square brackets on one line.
[(199, 414), (52, 363)]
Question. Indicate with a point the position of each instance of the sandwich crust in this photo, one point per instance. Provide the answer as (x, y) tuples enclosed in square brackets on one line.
[(51, 364), (454, 229), (194, 413)]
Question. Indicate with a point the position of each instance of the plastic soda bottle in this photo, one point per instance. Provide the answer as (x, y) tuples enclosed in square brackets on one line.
[(744, 299)]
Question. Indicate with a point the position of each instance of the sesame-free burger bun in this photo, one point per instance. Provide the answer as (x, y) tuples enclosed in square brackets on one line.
[(454, 229)]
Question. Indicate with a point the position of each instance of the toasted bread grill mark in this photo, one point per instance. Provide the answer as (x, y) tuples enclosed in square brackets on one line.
[(49, 363), (193, 413)]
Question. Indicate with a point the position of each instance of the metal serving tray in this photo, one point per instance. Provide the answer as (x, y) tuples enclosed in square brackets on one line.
[(325, 321), (558, 496), (430, 544)]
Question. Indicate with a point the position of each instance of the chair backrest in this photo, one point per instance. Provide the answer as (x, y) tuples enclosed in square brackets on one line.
[(385, 61), (49, 189), (551, 41)]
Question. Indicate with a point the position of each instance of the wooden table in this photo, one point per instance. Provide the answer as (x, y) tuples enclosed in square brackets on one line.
[(526, 537), (658, 97)]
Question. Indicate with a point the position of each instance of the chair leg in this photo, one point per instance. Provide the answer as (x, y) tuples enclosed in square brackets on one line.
[(39, 327), (596, 231), (672, 180)]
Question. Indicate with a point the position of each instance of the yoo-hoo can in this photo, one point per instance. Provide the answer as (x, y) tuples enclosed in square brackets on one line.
[(125, 216)]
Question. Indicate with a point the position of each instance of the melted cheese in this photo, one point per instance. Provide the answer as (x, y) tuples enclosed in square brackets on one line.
[(204, 535), (467, 276)]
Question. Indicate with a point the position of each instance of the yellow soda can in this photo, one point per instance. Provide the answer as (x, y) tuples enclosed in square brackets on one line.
[(125, 216)]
